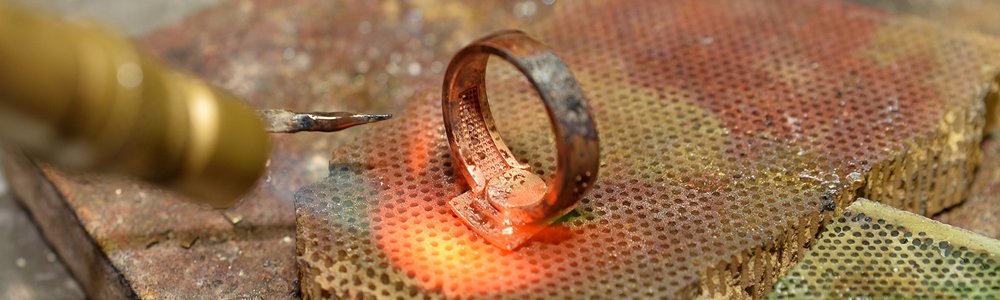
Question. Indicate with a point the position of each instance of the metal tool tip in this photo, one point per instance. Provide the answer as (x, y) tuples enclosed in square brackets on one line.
[(283, 121), (376, 118)]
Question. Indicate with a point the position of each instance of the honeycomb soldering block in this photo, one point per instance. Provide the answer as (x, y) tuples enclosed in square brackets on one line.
[(731, 132), (874, 251)]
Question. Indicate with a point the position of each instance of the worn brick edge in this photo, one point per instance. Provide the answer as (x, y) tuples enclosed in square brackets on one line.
[(63, 230)]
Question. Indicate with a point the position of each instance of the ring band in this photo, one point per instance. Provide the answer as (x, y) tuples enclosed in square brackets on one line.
[(507, 203)]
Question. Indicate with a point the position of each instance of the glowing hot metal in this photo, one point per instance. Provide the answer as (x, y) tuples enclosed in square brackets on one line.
[(507, 203)]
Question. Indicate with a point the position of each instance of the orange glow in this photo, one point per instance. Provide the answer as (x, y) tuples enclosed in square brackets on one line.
[(418, 153), (445, 255), (426, 242)]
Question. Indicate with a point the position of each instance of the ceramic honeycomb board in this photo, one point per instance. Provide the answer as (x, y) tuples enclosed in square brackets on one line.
[(874, 251), (980, 213), (731, 133)]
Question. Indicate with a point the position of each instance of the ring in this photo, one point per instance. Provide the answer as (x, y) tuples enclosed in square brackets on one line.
[(507, 203)]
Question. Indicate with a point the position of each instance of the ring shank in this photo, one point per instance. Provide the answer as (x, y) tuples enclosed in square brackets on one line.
[(475, 142)]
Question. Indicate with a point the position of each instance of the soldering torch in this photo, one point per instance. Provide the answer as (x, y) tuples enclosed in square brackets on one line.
[(83, 98)]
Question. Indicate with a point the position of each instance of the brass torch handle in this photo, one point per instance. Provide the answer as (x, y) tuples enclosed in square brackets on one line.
[(83, 98)]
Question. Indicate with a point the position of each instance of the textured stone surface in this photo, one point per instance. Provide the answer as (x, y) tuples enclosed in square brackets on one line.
[(29, 269), (150, 236)]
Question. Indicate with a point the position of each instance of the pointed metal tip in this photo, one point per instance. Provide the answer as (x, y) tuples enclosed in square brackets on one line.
[(283, 121), (375, 118), (339, 121)]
